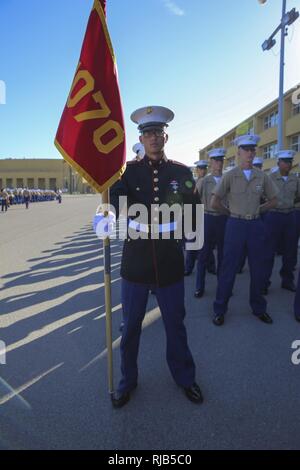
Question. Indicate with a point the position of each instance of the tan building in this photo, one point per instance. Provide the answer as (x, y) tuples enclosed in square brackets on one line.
[(264, 123), (40, 173)]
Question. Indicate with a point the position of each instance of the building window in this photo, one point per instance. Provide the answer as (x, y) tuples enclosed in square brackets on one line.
[(20, 183), (30, 183), (231, 139), (296, 109), (52, 184), (295, 143), (41, 183), (271, 120), (269, 151), (9, 183)]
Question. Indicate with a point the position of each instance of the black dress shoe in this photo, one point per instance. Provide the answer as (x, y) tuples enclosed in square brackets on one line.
[(120, 399), (288, 286), (265, 318), (198, 294), (193, 393), (187, 273), (218, 320), (212, 271), (297, 318)]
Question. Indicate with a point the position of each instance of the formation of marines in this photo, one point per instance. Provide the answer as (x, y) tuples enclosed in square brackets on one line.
[(249, 214), (9, 197)]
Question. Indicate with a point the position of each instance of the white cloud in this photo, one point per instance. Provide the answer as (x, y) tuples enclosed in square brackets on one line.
[(173, 8)]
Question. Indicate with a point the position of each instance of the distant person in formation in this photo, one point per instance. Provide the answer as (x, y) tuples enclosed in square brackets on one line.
[(201, 171), (191, 255), (242, 188), (154, 261), (258, 163), (59, 196), (26, 196), (3, 198), (214, 222), (280, 222)]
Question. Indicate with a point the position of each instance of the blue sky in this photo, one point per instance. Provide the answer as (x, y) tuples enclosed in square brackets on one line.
[(200, 58)]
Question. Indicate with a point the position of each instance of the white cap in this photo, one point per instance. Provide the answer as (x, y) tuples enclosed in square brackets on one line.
[(285, 154), (258, 161), (248, 139), (139, 149), (274, 169), (201, 164), (218, 152), (152, 116)]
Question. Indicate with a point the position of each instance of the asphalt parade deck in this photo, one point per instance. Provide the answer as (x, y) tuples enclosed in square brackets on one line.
[(53, 388)]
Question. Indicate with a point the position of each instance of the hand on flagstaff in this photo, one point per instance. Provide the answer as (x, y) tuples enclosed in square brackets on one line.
[(104, 225), (190, 236)]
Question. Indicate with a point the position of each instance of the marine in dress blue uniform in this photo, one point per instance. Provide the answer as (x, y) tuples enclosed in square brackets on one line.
[(243, 187), (154, 263), (214, 222)]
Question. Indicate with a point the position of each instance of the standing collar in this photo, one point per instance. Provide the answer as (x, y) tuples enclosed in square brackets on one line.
[(155, 163), (280, 176)]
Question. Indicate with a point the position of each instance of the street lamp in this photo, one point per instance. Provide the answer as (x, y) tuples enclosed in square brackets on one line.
[(287, 19)]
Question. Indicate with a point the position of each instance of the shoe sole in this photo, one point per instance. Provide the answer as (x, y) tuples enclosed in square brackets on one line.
[(116, 405), (218, 324), (194, 400)]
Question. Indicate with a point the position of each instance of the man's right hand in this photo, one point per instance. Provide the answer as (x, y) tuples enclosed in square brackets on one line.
[(104, 224)]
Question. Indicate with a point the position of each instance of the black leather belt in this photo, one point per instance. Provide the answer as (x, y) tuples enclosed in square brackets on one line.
[(212, 213), (283, 211)]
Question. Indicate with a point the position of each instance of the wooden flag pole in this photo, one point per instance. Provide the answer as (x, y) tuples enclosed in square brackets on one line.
[(107, 282), (79, 137)]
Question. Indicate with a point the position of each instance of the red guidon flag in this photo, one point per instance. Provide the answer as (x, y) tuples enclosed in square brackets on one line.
[(91, 134)]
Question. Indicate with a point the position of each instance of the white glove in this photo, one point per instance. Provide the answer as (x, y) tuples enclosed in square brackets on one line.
[(190, 236), (104, 226)]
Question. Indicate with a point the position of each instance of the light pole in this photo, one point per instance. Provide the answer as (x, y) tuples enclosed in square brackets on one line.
[(281, 79), (286, 20)]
